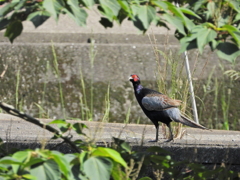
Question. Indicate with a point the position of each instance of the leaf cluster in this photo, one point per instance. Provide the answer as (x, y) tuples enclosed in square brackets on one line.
[(117, 162)]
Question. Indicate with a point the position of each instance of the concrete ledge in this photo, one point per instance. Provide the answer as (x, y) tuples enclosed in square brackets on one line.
[(202, 146), (34, 37)]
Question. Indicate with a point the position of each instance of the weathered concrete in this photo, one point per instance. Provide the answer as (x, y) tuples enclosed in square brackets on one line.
[(202, 146), (121, 46)]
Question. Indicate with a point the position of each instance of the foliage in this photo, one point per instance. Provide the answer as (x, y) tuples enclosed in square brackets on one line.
[(203, 22), (118, 162)]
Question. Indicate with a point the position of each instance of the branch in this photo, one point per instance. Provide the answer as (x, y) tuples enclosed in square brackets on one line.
[(11, 110)]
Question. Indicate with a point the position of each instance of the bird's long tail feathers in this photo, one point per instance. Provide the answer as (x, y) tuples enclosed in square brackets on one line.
[(190, 123)]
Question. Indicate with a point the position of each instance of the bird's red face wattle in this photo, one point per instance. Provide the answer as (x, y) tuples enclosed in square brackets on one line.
[(134, 78)]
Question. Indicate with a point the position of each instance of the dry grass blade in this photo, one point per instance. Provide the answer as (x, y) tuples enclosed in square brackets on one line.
[(4, 71), (233, 74)]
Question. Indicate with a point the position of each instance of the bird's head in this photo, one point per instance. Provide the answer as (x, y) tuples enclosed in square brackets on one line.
[(134, 79)]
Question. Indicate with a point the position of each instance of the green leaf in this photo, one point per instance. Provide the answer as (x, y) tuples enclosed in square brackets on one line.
[(73, 161), (22, 156), (234, 4), (62, 124), (213, 44), (160, 4), (223, 20), (9, 160), (125, 6), (146, 14), (205, 35), (79, 15), (175, 10), (117, 174), (3, 167), (20, 5), (46, 171), (176, 22), (53, 7), (78, 127), (33, 161), (188, 11), (70, 157), (29, 176), (98, 168), (134, 9), (88, 3), (39, 17), (58, 121), (109, 8), (235, 33), (83, 157), (189, 24), (63, 164), (4, 10), (14, 29), (123, 15), (122, 145), (237, 18), (107, 152), (197, 4), (4, 22), (228, 51), (188, 43)]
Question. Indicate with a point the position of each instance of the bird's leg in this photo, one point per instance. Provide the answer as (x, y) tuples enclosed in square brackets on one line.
[(170, 132), (157, 128)]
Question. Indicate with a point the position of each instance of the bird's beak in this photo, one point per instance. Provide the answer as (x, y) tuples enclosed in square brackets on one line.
[(130, 78)]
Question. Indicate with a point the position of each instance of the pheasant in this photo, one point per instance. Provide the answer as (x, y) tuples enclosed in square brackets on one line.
[(159, 107)]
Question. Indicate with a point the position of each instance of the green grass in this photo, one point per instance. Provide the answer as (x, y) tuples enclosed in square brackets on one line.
[(217, 101), (107, 106), (87, 110), (17, 90), (58, 74), (214, 96), (171, 81)]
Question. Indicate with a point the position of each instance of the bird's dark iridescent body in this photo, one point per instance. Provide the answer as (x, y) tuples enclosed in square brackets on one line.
[(159, 107)]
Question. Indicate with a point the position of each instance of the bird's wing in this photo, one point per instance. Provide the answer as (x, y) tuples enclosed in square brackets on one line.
[(159, 102)]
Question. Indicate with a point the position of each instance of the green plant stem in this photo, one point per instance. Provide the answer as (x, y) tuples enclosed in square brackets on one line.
[(126, 121), (83, 99), (92, 55), (59, 80), (17, 87), (107, 106)]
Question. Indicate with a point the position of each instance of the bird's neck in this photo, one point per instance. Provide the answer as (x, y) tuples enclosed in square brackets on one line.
[(138, 88)]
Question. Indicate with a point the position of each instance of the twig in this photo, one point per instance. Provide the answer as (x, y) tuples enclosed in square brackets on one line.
[(4, 71), (11, 110)]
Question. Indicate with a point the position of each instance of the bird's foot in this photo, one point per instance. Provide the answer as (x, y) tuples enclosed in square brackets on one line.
[(153, 140), (169, 140)]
